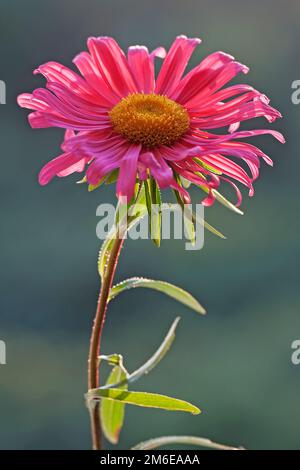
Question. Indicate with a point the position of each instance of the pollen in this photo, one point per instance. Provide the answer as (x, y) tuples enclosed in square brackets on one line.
[(149, 119)]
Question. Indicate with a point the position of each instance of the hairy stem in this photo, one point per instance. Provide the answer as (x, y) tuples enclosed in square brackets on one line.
[(93, 369)]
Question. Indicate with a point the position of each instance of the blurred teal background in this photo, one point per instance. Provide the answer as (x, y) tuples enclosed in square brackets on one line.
[(235, 362)]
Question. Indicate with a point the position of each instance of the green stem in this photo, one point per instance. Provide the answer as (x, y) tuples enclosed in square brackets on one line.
[(93, 369)]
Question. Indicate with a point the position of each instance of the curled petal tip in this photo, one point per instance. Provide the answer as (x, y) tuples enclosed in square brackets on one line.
[(158, 52), (225, 54), (265, 99), (234, 127), (245, 69), (42, 180), (195, 41), (139, 47), (90, 40), (282, 140), (20, 99)]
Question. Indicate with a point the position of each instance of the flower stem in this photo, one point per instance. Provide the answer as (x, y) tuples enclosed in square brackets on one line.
[(93, 369)]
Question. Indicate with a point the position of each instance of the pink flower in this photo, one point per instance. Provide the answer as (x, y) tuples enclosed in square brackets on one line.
[(118, 116)]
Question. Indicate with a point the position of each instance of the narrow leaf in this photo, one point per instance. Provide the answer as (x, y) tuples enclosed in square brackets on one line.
[(158, 355), (196, 218), (208, 227), (153, 201), (156, 215), (223, 200), (83, 180), (148, 198), (188, 218), (112, 177), (112, 359), (185, 183), (166, 288), (92, 187), (112, 411), (135, 212), (207, 167), (105, 253), (188, 440), (151, 363), (144, 399), (189, 226)]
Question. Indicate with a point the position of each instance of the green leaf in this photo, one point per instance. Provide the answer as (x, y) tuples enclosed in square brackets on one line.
[(134, 212), (121, 215), (138, 209), (144, 399), (190, 230), (83, 180), (222, 199), (188, 217), (111, 411), (148, 365), (92, 187), (207, 167), (148, 198), (208, 227), (196, 217), (187, 440), (105, 252), (156, 216), (184, 182), (158, 355), (169, 289), (112, 359), (107, 179), (153, 201), (112, 177)]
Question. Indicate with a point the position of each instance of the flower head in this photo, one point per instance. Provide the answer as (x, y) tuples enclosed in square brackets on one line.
[(118, 117)]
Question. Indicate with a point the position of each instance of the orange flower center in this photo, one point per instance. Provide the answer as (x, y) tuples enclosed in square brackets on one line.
[(150, 120)]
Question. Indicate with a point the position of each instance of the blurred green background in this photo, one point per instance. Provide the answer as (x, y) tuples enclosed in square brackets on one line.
[(235, 362)]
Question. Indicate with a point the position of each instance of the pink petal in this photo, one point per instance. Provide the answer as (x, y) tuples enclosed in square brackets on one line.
[(142, 68), (67, 162), (158, 167), (229, 168), (174, 64), (128, 172), (195, 106), (112, 63), (91, 73), (213, 72), (234, 127), (77, 167), (226, 117), (159, 52), (195, 85), (238, 192), (161, 172), (105, 163), (57, 73)]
